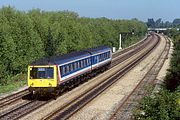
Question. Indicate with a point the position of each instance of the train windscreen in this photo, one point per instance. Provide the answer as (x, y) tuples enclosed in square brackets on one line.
[(41, 72)]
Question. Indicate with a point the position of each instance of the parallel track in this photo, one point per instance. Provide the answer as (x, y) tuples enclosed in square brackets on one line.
[(73, 106), (124, 111), (13, 98)]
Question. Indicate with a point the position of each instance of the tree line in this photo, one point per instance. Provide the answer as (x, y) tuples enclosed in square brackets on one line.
[(151, 23), (26, 36)]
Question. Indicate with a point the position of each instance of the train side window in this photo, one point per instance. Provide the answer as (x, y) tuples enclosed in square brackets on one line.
[(87, 61), (73, 64), (67, 69), (85, 64), (62, 70), (76, 65), (98, 56), (93, 60), (71, 67), (81, 64)]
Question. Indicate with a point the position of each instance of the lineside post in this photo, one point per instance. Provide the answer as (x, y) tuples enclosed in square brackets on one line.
[(120, 42)]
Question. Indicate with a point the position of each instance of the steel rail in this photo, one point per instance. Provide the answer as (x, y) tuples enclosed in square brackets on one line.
[(124, 110), (79, 102)]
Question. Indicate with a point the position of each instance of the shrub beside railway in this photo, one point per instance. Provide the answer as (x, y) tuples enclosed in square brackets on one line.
[(164, 105), (28, 36)]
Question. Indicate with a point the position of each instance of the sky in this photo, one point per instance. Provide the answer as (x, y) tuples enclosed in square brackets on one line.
[(168, 10)]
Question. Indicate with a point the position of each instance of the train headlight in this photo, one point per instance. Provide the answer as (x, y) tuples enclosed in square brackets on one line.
[(32, 84), (50, 84)]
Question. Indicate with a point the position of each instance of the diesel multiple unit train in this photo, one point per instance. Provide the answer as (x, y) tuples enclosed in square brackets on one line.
[(54, 73)]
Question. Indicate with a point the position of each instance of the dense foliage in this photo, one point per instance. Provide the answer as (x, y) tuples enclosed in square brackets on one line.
[(151, 23), (173, 76), (27, 36), (165, 105)]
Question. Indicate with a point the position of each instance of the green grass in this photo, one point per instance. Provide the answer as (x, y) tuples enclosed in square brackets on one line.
[(11, 87), (13, 83)]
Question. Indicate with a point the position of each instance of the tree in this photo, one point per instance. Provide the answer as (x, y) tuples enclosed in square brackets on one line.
[(49, 45), (176, 22), (159, 23), (151, 23)]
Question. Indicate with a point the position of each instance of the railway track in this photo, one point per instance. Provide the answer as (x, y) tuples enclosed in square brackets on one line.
[(22, 110), (131, 51), (124, 111), (73, 106), (29, 106), (13, 98)]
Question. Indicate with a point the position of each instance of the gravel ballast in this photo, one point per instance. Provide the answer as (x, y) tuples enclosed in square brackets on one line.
[(102, 107)]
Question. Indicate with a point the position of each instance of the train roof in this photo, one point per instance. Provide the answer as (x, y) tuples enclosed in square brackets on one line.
[(69, 57), (60, 59), (97, 50)]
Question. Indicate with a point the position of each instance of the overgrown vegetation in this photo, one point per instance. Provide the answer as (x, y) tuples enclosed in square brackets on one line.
[(164, 105), (27, 36)]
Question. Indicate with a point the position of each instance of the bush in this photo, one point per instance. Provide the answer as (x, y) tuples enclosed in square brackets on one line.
[(162, 106)]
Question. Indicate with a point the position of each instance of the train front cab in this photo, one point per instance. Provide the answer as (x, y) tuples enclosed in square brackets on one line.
[(42, 78)]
